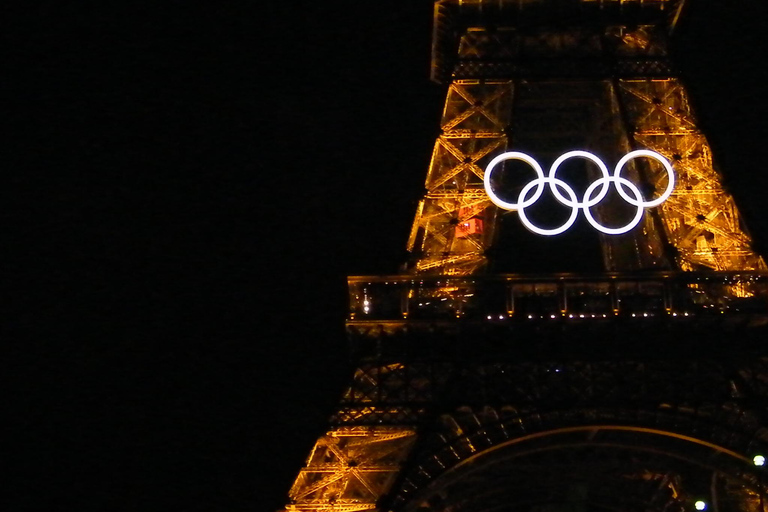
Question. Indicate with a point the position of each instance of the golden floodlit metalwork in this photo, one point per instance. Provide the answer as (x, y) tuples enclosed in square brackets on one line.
[(350, 468), (643, 387)]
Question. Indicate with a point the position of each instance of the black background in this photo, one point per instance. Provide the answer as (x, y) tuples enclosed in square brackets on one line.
[(188, 186)]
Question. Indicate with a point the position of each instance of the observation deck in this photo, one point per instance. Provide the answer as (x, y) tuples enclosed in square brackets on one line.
[(452, 18), (687, 310)]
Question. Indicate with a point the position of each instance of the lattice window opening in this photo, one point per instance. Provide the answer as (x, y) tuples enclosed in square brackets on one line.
[(481, 43), (706, 232), (435, 211), (659, 4), (458, 163), (454, 204), (576, 43), (470, 266), (657, 104), (467, 69), (667, 92), (438, 234), (450, 264), (358, 416), (454, 160), (365, 388), (707, 222), (591, 381), (473, 121), (444, 236), (659, 118), (475, 106), (453, 174), (390, 384), (679, 419), (434, 465), (690, 155), (352, 465), (644, 40), (633, 67), (405, 384)]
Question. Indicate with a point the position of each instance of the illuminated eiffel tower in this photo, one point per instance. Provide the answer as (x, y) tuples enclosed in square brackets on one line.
[(499, 372)]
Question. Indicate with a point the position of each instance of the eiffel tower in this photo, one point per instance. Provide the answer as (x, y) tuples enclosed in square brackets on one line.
[(504, 370)]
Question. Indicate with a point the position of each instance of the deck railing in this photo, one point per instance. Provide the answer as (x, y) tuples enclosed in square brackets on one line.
[(515, 296)]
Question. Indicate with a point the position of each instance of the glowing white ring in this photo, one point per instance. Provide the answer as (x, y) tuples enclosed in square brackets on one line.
[(514, 155), (587, 201), (553, 183), (614, 231), (667, 166), (588, 156)]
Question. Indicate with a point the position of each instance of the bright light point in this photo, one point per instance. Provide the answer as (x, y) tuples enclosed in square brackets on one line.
[(759, 460), (530, 316), (551, 316), (489, 317), (501, 317), (365, 303), (366, 309), (700, 505), (645, 314)]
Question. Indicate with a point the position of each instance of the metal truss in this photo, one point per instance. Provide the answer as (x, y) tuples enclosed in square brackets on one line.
[(475, 116), (700, 219), (449, 411), (454, 18), (620, 72), (652, 422), (349, 469), (590, 474), (389, 394), (651, 432)]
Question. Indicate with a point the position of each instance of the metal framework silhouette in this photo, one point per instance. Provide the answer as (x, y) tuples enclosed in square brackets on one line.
[(642, 387)]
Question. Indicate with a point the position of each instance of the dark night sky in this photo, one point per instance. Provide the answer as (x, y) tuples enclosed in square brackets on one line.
[(191, 184)]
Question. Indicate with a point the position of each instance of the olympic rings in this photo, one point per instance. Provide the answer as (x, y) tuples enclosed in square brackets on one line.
[(524, 201)]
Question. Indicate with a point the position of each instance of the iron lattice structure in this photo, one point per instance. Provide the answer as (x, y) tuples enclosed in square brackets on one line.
[(641, 388)]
